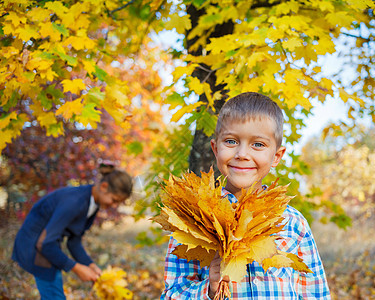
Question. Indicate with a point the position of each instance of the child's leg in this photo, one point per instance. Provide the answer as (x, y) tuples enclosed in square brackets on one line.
[(51, 289)]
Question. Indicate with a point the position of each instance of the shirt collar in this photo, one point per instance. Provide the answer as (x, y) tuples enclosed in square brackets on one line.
[(92, 207), (232, 198)]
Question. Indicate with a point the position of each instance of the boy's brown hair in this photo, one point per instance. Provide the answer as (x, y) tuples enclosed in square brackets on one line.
[(119, 181), (251, 105)]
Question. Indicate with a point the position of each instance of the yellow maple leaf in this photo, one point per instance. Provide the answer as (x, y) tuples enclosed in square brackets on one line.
[(74, 86), (340, 18), (79, 43), (292, 43), (89, 66), (57, 7), (39, 14), (112, 284), (179, 23), (198, 253), (4, 122), (69, 108), (6, 137), (184, 110), (26, 32), (183, 71), (8, 28), (46, 119), (47, 30)]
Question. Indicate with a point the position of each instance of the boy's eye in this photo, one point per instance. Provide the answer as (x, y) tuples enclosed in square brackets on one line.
[(231, 142), (258, 145)]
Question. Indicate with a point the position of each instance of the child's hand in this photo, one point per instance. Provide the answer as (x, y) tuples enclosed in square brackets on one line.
[(214, 276), (95, 268), (85, 273)]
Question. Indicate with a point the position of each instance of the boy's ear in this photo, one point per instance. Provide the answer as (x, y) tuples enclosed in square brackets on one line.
[(214, 146), (103, 186), (278, 156)]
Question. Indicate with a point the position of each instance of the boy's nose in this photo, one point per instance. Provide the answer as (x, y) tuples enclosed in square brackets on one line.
[(242, 152)]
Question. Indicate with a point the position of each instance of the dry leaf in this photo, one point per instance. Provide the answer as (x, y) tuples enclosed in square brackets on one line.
[(111, 285), (204, 222)]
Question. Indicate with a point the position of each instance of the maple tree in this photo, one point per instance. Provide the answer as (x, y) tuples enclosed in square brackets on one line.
[(56, 57), (73, 158), (205, 223)]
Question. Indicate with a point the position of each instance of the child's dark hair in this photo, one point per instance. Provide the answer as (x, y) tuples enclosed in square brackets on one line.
[(119, 181), (251, 105)]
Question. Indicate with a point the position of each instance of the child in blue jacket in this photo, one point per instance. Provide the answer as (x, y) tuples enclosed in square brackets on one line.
[(66, 212)]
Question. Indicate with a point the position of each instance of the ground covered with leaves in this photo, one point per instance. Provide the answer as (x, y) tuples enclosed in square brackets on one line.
[(347, 256)]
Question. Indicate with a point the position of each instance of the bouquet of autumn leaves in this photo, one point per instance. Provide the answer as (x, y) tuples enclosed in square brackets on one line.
[(204, 223)]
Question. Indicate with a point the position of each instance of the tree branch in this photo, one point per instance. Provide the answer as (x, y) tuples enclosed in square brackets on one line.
[(359, 37), (121, 7)]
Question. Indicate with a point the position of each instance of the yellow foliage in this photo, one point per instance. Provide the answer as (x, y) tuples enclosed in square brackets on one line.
[(60, 42), (184, 110), (204, 222), (70, 108), (74, 86), (112, 284), (180, 23)]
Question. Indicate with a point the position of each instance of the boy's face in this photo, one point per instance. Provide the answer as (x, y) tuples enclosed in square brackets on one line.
[(245, 152)]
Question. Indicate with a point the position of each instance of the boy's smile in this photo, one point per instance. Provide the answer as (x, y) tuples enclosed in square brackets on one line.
[(246, 151)]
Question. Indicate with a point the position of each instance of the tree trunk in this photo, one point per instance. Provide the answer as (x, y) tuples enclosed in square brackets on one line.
[(201, 156)]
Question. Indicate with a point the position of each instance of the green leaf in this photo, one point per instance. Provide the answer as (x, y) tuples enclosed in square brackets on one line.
[(12, 101), (89, 112), (47, 55), (50, 95), (60, 28), (145, 12), (206, 122), (175, 100), (198, 3), (55, 94), (70, 59), (135, 148), (100, 73), (211, 19), (29, 75), (95, 96), (343, 221), (46, 103)]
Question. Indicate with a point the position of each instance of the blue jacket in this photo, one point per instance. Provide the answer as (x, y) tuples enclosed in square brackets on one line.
[(62, 213)]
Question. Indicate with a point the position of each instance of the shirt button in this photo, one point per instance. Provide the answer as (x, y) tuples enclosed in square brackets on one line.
[(256, 281)]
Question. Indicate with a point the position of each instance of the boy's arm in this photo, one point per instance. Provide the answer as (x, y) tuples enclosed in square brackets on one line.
[(79, 253), (183, 279), (310, 285), (49, 241)]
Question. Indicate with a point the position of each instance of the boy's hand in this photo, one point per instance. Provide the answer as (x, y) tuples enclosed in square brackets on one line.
[(85, 273), (95, 268), (214, 276)]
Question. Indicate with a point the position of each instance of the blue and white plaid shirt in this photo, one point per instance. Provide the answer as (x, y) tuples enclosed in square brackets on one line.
[(187, 280)]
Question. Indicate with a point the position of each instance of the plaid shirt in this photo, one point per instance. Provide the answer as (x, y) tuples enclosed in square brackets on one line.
[(186, 280)]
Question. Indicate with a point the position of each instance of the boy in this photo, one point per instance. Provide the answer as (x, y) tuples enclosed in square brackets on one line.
[(248, 143)]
